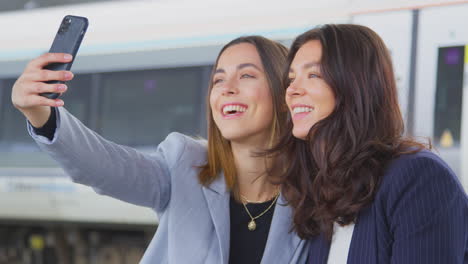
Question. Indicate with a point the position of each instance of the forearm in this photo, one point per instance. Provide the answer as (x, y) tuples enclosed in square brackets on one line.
[(37, 116), (118, 171), (49, 128)]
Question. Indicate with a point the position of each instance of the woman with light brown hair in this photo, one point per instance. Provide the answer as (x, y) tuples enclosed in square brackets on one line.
[(214, 201), (362, 192)]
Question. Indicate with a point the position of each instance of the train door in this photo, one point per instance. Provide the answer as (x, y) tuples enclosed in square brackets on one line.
[(448, 103), (442, 35), (464, 125)]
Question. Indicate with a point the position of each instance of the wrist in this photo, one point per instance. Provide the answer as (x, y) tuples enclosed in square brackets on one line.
[(37, 116)]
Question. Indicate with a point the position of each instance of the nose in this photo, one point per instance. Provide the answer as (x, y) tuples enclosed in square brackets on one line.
[(229, 88), (294, 89)]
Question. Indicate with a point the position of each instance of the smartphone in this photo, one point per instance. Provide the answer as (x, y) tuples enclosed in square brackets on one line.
[(67, 40)]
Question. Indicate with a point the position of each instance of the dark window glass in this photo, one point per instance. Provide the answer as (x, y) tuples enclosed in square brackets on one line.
[(449, 93), (78, 97), (13, 129), (141, 108), (16, 146)]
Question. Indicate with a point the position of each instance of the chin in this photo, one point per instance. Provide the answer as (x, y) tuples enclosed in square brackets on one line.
[(300, 134), (231, 135)]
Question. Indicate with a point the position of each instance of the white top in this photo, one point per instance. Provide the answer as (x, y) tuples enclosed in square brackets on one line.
[(341, 241)]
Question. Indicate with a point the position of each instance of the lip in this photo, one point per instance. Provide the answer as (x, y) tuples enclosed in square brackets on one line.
[(302, 115), (234, 115)]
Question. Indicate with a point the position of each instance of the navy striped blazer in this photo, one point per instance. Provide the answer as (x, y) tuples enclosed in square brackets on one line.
[(419, 215)]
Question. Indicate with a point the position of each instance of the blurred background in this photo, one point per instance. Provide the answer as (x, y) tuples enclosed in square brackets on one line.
[(143, 71)]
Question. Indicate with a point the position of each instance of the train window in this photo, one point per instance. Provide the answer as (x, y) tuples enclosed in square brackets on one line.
[(449, 88), (14, 129), (78, 97), (16, 146), (17, 149), (141, 108)]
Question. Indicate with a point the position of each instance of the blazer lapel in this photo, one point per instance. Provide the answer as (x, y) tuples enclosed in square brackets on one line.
[(364, 240), (281, 243), (217, 197), (319, 249)]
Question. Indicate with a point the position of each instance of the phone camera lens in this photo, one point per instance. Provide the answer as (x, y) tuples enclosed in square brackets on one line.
[(67, 20)]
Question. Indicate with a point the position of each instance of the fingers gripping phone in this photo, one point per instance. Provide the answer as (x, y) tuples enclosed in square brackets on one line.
[(67, 40)]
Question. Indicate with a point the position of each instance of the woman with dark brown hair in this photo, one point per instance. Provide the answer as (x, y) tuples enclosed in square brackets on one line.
[(361, 191), (214, 201)]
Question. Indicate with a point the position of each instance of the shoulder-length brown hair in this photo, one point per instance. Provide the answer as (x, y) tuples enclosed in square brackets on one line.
[(220, 158), (335, 173)]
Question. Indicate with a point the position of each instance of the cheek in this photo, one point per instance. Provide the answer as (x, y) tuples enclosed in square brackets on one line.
[(263, 94), (267, 103), (329, 104), (212, 100), (325, 100), (288, 102)]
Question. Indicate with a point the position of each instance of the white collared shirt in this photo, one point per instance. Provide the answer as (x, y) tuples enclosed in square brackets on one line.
[(341, 242)]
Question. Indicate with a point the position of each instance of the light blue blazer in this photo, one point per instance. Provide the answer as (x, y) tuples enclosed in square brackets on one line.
[(194, 220)]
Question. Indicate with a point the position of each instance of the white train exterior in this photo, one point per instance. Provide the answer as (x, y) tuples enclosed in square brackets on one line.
[(163, 52)]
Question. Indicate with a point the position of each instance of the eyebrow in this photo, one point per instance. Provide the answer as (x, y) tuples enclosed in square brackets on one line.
[(239, 67), (244, 65), (308, 65)]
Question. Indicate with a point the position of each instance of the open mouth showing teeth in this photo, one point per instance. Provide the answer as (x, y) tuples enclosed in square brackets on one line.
[(302, 109), (233, 109)]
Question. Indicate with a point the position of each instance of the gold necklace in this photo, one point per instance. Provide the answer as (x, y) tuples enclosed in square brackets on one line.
[(258, 201), (252, 225)]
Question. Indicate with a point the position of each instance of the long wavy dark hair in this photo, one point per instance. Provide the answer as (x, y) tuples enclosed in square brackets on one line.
[(335, 173)]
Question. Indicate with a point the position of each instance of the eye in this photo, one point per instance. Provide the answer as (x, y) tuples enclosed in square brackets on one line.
[(216, 81), (245, 75), (314, 75)]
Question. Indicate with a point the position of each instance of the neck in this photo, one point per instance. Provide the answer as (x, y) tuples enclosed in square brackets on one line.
[(253, 183)]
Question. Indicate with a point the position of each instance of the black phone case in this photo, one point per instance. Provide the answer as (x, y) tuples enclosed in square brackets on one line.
[(67, 40)]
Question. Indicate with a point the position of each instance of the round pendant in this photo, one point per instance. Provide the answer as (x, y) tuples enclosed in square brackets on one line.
[(252, 225)]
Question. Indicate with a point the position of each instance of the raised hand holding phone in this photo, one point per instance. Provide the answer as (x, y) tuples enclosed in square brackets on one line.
[(67, 40), (44, 77)]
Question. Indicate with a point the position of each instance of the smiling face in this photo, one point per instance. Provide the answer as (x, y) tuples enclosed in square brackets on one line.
[(240, 99), (309, 98)]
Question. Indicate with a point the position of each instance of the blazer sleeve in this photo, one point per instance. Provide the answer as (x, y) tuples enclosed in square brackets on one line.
[(109, 168), (428, 213)]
